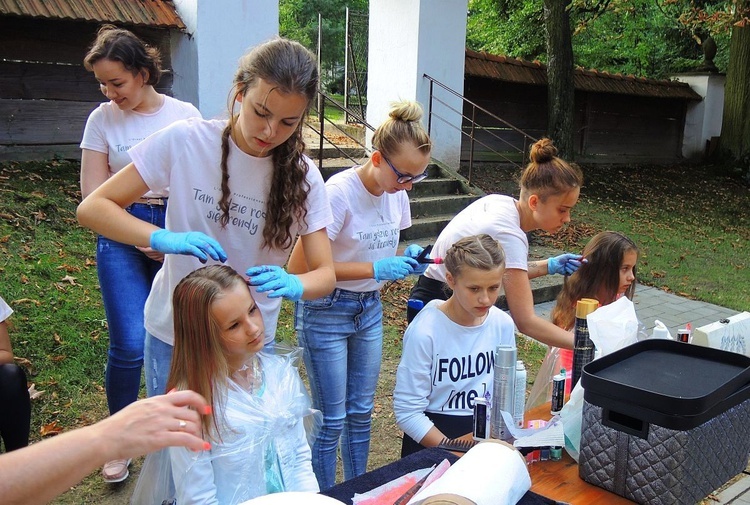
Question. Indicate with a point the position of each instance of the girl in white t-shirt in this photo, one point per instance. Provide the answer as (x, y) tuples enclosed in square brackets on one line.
[(549, 190), (257, 435), (127, 71), (240, 191), (449, 349), (342, 333)]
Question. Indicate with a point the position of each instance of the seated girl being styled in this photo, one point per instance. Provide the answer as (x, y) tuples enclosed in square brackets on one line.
[(447, 359), (258, 440)]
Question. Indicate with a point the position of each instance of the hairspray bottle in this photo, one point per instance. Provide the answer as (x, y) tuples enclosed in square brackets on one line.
[(519, 394), (583, 347), (502, 390)]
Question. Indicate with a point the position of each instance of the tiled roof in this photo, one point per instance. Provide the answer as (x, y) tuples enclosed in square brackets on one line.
[(519, 71), (156, 13)]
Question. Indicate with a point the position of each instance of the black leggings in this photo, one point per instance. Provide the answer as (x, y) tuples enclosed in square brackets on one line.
[(426, 290), (15, 407)]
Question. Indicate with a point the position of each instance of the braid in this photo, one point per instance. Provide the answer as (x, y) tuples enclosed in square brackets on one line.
[(224, 202), (288, 195), (476, 251)]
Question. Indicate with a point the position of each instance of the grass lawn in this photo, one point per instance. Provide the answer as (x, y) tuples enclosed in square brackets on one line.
[(693, 230)]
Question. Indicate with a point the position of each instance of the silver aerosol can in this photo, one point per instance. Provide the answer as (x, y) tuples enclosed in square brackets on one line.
[(502, 390)]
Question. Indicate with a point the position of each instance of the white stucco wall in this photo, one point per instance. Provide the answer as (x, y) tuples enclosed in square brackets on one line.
[(410, 38), (219, 32), (703, 119)]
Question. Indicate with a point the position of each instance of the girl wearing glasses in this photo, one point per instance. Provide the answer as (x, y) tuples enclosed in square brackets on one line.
[(341, 334)]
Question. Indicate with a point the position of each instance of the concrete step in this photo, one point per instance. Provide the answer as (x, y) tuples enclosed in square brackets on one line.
[(330, 151), (440, 204), (436, 186), (421, 227)]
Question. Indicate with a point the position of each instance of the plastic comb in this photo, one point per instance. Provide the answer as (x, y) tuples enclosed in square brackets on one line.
[(452, 444)]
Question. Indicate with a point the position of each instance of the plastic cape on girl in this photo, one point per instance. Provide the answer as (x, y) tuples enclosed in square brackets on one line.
[(262, 447)]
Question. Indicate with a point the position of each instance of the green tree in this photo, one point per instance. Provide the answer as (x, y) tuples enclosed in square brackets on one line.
[(560, 86), (298, 20), (735, 128)]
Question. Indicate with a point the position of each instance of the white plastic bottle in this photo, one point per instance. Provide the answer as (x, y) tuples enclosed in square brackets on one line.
[(519, 394)]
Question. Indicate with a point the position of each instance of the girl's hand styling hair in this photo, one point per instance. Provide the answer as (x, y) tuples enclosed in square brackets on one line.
[(193, 243), (565, 264), (394, 268), (276, 281)]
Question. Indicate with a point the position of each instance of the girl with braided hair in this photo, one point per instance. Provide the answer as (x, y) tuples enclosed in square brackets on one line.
[(448, 355), (240, 192)]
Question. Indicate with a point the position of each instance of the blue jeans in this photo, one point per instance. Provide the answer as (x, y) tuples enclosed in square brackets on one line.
[(341, 336), (125, 276), (158, 359)]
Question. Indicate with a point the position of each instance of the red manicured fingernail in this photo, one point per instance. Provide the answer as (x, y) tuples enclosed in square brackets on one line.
[(207, 410), (172, 390), (206, 446)]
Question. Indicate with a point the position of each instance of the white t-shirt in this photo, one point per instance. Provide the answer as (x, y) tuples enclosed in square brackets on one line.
[(112, 131), (445, 366), (365, 227), (5, 310), (495, 215), (186, 158)]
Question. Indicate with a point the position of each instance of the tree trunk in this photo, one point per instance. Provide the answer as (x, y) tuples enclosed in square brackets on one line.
[(560, 87), (735, 125)]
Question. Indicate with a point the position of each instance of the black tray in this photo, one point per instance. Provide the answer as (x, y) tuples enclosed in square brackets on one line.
[(672, 384)]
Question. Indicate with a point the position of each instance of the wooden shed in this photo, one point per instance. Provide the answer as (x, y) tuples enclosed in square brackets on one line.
[(45, 93), (617, 118)]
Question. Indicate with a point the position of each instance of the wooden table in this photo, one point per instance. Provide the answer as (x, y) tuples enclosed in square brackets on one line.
[(559, 480)]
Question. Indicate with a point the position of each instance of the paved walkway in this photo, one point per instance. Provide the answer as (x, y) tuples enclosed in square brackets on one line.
[(675, 312), (672, 310)]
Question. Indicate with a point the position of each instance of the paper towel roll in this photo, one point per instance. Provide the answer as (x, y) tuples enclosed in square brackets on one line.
[(490, 473)]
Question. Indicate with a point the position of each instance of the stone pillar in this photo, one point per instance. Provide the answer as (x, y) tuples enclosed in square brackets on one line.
[(410, 38), (219, 32), (703, 119)]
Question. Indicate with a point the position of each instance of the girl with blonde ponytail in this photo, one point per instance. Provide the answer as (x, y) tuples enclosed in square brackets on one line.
[(342, 333)]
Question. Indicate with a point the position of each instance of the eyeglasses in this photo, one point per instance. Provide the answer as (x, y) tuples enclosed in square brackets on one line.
[(404, 178)]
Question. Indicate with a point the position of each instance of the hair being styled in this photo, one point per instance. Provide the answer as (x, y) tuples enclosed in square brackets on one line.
[(291, 69), (598, 278), (118, 44), (198, 359), (402, 126), (476, 251), (546, 174)]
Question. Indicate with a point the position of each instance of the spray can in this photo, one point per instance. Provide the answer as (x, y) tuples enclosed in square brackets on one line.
[(503, 383), (583, 347), (519, 394), (558, 392)]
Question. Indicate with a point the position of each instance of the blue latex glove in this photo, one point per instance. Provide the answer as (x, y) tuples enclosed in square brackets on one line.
[(413, 251), (565, 264), (276, 281), (394, 268), (193, 243)]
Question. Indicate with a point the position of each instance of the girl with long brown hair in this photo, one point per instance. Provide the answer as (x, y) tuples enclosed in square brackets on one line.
[(241, 191)]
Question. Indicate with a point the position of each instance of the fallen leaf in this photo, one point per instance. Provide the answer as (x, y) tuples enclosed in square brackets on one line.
[(26, 300), (57, 338), (33, 393), (70, 279), (50, 429)]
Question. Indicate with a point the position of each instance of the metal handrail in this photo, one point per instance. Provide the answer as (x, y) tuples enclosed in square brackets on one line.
[(474, 126), (323, 98)]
